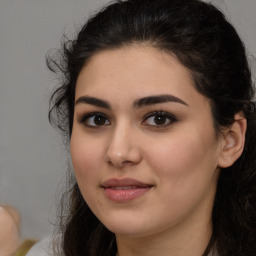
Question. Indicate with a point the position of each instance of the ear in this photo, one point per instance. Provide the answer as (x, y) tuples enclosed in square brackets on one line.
[(233, 142)]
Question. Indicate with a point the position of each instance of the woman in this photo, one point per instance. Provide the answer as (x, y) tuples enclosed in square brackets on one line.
[(157, 106)]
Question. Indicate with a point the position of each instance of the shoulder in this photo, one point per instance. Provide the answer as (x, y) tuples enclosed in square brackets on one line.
[(42, 248)]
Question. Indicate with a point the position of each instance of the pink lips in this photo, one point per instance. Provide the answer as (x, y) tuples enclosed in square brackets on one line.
[(124, 190)]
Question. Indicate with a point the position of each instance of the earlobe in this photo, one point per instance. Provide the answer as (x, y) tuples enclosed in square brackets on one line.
[(233, 142)]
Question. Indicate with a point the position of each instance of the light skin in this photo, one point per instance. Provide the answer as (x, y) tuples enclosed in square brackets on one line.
[(150, 125)]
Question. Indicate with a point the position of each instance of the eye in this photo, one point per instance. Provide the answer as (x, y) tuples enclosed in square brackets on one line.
[(159, 118), (94, 120)]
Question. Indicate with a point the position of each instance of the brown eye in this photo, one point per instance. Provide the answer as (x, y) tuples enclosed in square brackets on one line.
[(159, 119), (94, 120), (99, 120)]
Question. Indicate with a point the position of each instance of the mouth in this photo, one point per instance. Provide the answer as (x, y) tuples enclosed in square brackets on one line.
[(124, 190)]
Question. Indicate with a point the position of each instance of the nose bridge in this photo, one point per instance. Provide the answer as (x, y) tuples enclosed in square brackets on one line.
[(122, 147)]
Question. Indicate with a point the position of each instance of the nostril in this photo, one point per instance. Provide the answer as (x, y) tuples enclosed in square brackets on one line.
[(120, 164), (127, 163)]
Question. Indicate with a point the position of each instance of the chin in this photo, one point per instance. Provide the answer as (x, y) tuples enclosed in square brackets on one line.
[(130, 227)]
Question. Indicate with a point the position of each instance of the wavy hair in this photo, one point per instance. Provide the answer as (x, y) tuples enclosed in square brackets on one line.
[(209, 46)]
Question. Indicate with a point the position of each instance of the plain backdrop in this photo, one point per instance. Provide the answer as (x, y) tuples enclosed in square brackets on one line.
[(32, 155)]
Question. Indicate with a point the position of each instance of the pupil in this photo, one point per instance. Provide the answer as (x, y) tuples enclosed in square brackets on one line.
[(99, 120), (160, 119)]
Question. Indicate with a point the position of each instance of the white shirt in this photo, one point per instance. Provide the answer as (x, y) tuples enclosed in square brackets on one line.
[(42, 248)]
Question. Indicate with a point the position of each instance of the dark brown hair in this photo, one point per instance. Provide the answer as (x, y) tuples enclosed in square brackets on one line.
[(209, 46)]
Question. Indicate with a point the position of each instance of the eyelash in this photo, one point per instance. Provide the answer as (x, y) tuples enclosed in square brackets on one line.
[(85, 118), (167, 118)]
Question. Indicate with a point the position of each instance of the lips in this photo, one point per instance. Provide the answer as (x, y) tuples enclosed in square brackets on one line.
[(124, 190)]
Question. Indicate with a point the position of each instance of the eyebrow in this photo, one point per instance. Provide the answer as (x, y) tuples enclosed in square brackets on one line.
[(145, 101), (157, 99), (93, 101)]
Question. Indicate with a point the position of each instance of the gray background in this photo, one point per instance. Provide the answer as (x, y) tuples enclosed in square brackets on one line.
[(32, 156)]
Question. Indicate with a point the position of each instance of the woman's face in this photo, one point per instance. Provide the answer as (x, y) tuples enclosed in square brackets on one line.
[(143, 146)]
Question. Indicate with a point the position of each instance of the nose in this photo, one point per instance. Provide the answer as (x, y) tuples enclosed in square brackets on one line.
[(123, 148)]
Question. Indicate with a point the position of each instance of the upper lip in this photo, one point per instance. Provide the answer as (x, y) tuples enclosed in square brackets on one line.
[(125, 182)]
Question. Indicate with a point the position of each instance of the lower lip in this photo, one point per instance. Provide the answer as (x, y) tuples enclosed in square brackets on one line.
[(125, 195)]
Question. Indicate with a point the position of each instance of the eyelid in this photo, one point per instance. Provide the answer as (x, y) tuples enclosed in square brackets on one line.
[(83, 118), (171, 117)]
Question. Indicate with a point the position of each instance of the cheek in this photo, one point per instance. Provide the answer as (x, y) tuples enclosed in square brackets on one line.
[(184, 162), (86, 156), (186, 176), (174, 155)]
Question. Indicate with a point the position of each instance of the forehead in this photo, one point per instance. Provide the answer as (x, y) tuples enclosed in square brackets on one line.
[(135, 71)]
